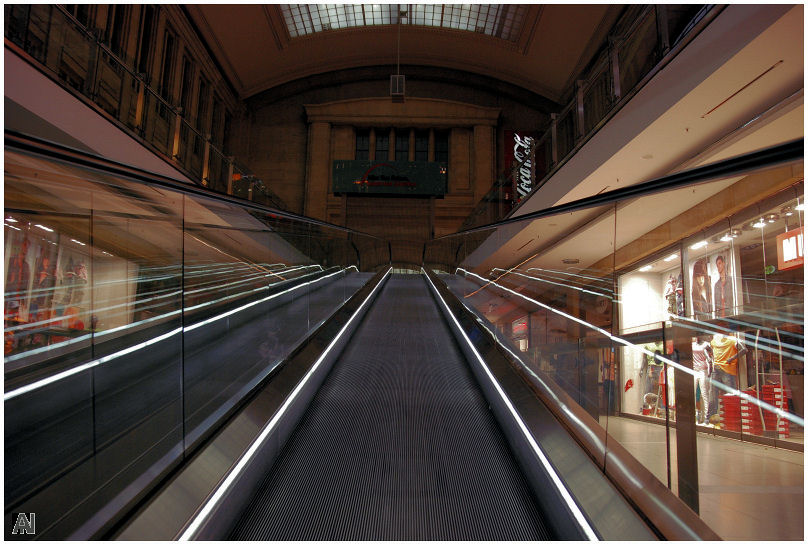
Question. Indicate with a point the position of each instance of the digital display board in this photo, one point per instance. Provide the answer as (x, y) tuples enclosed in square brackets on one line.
[(389, 177)]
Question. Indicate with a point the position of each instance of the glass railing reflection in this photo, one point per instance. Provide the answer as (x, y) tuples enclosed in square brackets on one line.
[(668, 323), (81, 61), (138, 316)]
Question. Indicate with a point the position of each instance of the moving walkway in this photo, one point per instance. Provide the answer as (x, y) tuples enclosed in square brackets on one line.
[(381, 408)]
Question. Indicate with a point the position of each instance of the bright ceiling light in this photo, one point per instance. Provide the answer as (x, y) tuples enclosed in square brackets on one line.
[(78, 242), (671, 257), (760, 224), (11, 220), (646, 268), (700, 244), (17, 228), (48, 229), (800, 207)]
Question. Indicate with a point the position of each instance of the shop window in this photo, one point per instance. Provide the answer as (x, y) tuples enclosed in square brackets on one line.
[(117, 27), (227, 140), (202, 104), (148, 24), (442, 146), (187, 83), (201, 113), (165, 86), (402, 145), (651, 294), (83, 13), (421, 145), (738, 288), (362, 144), (382, 144), (216, 123)]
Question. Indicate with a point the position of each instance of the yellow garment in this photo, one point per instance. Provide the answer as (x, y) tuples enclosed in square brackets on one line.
[(723, 349)]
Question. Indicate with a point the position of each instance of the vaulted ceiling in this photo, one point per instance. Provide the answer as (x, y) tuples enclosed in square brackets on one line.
[(257, 52)]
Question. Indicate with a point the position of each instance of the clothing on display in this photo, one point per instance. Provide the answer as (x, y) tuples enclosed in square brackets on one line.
[(702, 363), (725, 353)]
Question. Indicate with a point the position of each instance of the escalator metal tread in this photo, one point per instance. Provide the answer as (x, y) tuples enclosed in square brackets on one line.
[(397, 444)]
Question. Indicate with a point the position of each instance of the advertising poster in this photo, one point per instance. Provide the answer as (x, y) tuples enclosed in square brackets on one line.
[(713, 290)]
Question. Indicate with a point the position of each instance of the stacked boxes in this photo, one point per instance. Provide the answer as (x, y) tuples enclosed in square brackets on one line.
[(773, 394), (750, 413), (730, 410)]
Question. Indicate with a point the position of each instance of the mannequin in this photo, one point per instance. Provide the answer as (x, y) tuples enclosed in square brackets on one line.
[(670, 295), (702, 365), (726, 352), (651, 367)]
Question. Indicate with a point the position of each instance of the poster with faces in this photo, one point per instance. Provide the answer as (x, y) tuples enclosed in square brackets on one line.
[(712, 290)]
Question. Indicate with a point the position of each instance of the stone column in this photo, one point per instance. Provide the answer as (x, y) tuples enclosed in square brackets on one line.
[(484, 154), (318, 170)]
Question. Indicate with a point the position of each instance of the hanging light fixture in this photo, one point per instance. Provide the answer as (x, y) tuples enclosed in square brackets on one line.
[(397, 81)]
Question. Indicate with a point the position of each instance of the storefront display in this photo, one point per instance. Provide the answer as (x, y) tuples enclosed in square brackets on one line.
[(651, 294), (47, 298), (743, 280)]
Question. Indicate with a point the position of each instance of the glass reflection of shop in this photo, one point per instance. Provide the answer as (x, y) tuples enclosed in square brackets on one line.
[(650, 294), (753, 295), (771, 247), (519, 333), (47, 276)]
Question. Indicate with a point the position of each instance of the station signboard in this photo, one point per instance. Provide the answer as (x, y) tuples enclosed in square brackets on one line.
[(415, 178)]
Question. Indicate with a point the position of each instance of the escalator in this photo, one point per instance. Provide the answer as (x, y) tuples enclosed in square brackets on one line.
[(398, 443)]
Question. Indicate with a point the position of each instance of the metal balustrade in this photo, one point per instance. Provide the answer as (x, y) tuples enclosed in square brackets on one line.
[(630, 56), (76, 57)]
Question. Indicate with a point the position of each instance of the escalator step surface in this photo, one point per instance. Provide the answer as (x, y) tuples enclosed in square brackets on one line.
[(398, 444)]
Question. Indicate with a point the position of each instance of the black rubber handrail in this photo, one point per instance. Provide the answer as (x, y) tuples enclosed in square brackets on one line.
[(734, 166)]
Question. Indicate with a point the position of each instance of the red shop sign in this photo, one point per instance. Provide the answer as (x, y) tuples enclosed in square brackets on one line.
[(790, 249)]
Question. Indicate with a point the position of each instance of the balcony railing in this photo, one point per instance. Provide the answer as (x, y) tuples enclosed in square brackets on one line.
[(66, 51), (633, 52)]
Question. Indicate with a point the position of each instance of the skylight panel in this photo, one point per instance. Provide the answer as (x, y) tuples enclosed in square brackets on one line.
[(498, 20)]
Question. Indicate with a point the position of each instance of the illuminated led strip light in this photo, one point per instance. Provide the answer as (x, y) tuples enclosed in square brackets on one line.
[(556, 283), (747, 336), (565, 493), (762, 404), (248, 305), (766, 345), (75, 340), (607, 286), (234, 473), (103, 309), (70, 372), (216, 284), (254, 290)]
